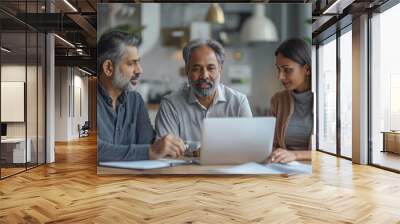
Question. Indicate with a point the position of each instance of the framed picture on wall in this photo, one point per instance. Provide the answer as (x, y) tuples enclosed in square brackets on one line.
[(12, 101)]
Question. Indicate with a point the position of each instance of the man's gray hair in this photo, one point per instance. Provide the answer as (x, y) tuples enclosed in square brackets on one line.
[(112, 46), (196, 43)]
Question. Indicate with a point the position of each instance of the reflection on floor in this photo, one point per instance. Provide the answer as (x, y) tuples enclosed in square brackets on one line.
[(10, 169), (387, 159)]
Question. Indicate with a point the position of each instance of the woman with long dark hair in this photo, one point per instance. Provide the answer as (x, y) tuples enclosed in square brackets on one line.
[(293, 107)]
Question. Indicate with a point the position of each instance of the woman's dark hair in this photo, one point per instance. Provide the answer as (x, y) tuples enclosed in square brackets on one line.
[(297, 50)]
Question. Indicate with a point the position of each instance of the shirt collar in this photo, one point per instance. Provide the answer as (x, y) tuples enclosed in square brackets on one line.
[(107, 98), (220, 96)]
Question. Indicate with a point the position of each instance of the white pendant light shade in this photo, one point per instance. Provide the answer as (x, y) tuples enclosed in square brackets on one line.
[(258, 28)]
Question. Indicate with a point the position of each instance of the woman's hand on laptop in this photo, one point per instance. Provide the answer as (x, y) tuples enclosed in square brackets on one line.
[(281, 155), (168, 145)]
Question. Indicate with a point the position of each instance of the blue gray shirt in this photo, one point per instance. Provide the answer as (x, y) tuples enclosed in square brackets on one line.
[(124, 133)]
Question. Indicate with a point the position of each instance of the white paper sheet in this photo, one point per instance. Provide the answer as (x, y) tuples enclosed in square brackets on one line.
[(249, 168), (292, 167), (274, 168), (143, 164)]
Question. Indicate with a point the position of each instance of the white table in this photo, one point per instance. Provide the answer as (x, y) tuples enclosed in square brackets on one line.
[(18, 149)]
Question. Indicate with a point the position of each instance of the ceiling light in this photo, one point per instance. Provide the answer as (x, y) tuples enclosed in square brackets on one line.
[(5, 50), (258, 27), (65, 41), (70, 5), (215, 14)]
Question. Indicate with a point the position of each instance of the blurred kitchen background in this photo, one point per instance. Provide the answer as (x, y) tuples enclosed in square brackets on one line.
[(249, 32)]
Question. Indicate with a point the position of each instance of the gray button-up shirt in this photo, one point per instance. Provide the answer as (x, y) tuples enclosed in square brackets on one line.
[(181, 113), (126, 132)]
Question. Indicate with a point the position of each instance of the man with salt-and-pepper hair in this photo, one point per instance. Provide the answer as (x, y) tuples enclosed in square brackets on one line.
[(124, 129), (182, 112)]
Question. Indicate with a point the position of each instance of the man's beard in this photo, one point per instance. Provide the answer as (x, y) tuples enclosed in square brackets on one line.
[(204, 92), (123, 82)]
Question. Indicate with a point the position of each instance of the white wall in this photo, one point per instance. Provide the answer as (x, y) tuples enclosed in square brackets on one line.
[(68, 82), (80, 83), (33, 126), (14, 73), (61, 103), (17, 73)]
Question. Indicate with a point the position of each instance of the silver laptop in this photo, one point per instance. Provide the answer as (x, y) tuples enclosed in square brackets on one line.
[(236, 140)]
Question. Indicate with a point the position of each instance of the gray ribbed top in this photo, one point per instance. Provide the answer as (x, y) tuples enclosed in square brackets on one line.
[(300, 125)]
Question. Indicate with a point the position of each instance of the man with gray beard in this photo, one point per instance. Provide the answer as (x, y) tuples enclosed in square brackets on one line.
[(124, 129), (182, 112)]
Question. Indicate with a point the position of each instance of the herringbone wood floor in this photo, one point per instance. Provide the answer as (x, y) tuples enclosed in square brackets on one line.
[(69, 191)]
